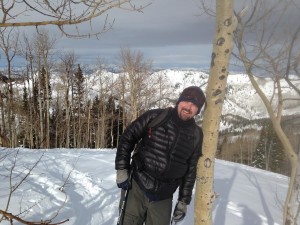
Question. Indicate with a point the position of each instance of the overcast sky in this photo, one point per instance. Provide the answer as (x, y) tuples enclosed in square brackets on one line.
[(171, 33)]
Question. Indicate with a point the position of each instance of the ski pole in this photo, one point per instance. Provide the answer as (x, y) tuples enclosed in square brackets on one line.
[(124, 201), (172, 221)]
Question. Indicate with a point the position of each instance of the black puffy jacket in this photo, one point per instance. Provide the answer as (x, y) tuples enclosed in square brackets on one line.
[(166, 156)]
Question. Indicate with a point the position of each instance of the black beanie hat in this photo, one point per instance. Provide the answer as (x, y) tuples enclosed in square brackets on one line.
[(192, 94)]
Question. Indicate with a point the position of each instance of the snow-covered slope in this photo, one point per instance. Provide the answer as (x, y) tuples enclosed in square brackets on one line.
[(80, 183)]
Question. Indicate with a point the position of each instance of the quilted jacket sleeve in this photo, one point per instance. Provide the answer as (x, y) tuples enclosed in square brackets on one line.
[(131, 136), (188, 181)]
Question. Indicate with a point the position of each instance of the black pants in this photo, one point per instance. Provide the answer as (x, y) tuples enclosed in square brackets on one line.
[(139, 209)]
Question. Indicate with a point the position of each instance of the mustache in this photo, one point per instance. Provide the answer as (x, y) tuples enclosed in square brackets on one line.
[(187, 110)]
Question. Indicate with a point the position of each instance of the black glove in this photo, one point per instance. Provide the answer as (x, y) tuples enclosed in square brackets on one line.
[(179, 211), (122, 179), (124, 185)]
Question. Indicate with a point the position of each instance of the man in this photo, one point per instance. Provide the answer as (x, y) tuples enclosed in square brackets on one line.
[(165, 158)]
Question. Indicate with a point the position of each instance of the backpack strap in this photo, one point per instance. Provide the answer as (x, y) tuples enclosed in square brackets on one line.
[(161, 118)]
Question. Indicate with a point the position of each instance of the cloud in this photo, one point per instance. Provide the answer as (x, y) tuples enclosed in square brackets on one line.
[(166, 30), (169, 32)]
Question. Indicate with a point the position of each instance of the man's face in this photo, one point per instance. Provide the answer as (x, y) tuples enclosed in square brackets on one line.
[(186, 110)]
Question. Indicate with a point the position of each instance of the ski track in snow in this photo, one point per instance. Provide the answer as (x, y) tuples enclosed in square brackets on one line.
[(89, 192)]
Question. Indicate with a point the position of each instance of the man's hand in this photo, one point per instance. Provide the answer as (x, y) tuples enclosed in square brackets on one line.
[(179, 211), (122, 179)]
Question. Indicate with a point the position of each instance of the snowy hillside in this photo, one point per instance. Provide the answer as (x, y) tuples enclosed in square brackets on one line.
[(81, 184), (241, 99)]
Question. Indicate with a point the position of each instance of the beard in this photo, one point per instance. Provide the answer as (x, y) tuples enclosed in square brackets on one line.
[(185, 114)]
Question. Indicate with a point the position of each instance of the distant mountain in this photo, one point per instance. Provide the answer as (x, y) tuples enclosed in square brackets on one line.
[(241, 98), (241, 103)]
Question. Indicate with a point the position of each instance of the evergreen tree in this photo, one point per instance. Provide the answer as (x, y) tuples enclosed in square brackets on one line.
[(78, 115), (78, 84), (95, 107), (110, 111), (95, 115), (269, 155), (115, 123), (55, 120), (25, 100), (78, 91)]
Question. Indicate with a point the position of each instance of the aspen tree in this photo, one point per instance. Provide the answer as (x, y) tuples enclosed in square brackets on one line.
[(226, 23)]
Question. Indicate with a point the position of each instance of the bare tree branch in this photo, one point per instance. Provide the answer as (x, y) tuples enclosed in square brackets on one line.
[(276, 54), (61, 13), (10, 217)]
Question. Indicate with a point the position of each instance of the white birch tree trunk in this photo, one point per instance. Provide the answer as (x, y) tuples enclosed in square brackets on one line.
[(222, 47)]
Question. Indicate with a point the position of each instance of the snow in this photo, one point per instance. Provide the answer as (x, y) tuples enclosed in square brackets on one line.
[(80, 183), (241, 99)]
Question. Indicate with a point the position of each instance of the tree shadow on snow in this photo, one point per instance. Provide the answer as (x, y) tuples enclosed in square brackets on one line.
[(222, 188), (253, 180), (250, 217)]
